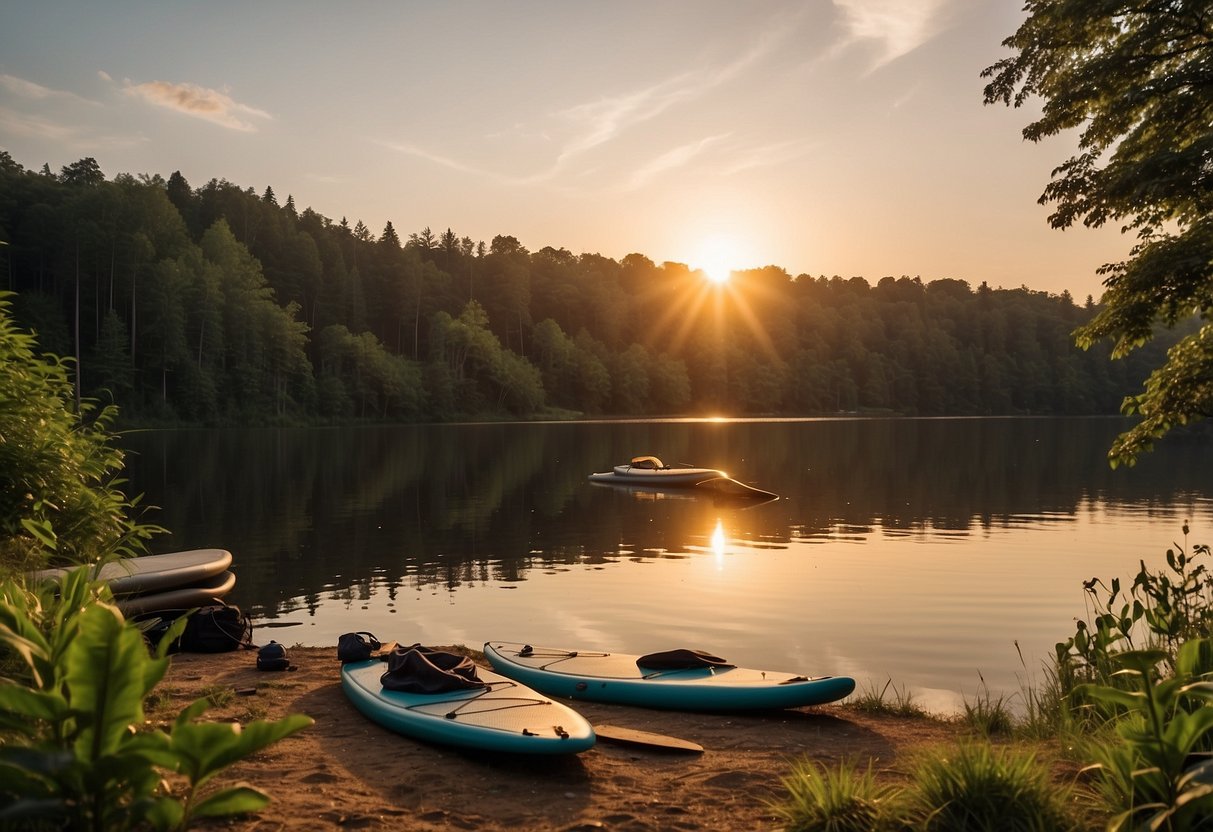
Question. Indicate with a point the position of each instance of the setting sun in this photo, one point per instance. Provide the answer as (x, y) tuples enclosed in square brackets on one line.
[(717, 258)]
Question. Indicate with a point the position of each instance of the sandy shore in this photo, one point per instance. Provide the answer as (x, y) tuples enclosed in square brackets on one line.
[(346, 771)]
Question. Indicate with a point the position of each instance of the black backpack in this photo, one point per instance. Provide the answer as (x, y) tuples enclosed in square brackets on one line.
[(218, 628), (352, 647)]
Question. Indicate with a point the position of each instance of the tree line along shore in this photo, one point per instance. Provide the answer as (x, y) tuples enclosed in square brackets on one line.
[(219, 305)]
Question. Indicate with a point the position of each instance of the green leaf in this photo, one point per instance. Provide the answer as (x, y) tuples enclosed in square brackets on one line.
[(1131, 700), (207, 748), (42, 531), (29, 704), (171, 635), (236, 800), (164, 813), (191, 712), (108, 675)]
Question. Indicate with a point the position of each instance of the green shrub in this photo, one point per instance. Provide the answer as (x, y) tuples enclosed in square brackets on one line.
[(1159, 774), (76, 753), (843, 799), (59, 495), (976, 787), (1162, 609)]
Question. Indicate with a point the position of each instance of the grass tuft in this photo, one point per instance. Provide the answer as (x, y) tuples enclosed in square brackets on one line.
[(988, 715), (890, 699), (842, 799), (218, 695), (976, 787)]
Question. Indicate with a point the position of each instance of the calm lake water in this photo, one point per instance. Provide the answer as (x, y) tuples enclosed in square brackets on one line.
[(918, 550)]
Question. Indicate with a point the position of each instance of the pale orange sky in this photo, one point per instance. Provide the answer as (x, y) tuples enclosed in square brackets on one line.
[(826, 137)]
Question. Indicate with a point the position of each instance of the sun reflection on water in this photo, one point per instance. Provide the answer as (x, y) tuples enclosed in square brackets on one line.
[(718, 542)]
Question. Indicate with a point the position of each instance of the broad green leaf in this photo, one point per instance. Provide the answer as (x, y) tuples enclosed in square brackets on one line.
[(207, 748), (236, 800), (42, 531), (154, 747), (191, 712), (163, 813), (171, 635), (29, 704), (107, 680), (1126, 699)]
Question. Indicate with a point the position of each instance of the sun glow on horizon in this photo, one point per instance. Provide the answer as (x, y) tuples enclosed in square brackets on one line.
[(717, 257)]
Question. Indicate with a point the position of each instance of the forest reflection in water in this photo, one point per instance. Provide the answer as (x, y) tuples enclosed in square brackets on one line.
[(902, 547)]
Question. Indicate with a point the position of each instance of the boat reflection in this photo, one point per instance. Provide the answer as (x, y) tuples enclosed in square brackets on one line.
[(720, 490)]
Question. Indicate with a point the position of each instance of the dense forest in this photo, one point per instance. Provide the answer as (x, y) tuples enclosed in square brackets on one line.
[(218, 304)]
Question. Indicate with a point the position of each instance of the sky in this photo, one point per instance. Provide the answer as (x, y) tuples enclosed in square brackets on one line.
[(826, 137)]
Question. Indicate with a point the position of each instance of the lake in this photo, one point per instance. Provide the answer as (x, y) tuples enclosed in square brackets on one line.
[(932, 552)]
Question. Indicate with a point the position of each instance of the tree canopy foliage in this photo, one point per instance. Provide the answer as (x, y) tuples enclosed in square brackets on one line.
[(1135, 80), (218, 304)]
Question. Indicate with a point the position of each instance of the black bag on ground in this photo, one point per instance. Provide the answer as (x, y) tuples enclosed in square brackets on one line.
[(273, 657), (680, 659), (352, 647), (154, 627), (217, 628), (420, 669)]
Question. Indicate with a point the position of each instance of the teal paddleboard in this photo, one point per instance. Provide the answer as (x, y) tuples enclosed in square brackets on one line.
[(505, 716), (617, 678)]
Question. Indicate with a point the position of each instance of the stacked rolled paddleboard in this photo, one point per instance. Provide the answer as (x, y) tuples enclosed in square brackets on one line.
[(173, 581)]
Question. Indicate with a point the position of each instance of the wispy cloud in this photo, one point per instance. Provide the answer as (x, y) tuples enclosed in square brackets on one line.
[(598, 122), (50, 130), (767, 155), (22, 124), (676, 158), (200, 102), (31, 91), (576, 131), (898, 26), (446, 161)]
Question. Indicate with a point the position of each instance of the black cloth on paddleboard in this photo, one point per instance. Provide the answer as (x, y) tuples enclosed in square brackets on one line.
[(418, 669), (680, 658)]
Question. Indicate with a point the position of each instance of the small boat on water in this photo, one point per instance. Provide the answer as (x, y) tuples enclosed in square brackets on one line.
[(649, 470), (651, 473)]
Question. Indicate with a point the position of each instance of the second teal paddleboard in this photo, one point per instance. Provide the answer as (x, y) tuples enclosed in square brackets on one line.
[(616, 677)]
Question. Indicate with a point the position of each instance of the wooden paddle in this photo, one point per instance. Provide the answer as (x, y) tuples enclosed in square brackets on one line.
[(645, 739)]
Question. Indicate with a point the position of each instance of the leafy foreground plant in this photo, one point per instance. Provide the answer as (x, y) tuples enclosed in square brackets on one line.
[(1168, 608), (977, 787), (843, 799), (1160, 776), (74, 752)]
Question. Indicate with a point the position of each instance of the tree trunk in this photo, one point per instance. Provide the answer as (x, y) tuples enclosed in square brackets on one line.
[(76, 327)]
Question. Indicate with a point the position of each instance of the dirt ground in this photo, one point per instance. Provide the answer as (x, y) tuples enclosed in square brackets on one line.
[(346, 771)]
